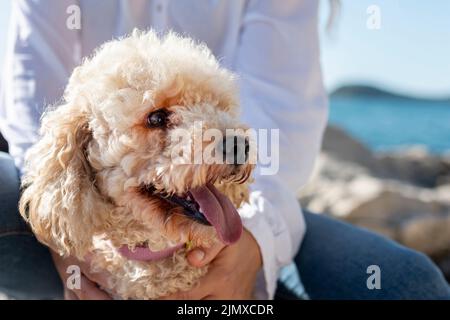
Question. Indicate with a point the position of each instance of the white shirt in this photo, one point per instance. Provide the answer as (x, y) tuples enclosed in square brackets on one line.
[(272, 45)]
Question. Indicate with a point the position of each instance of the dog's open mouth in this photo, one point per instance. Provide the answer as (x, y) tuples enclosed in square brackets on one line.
[(186, 201), (208, 206)]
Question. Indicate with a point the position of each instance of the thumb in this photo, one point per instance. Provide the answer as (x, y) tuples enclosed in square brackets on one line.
[(199, 257)]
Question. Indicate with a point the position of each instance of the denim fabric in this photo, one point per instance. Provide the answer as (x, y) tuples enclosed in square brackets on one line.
[(26, 267), (332, 260), (334, 257)]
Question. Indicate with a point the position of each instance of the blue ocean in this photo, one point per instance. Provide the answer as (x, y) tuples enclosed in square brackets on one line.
[(387, 123)]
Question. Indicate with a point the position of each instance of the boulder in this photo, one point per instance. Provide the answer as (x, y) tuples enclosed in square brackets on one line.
[(413, 165), (404, 195), (429, 234)]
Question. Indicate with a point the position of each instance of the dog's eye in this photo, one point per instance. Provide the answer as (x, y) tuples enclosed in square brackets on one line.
[(157, 119)]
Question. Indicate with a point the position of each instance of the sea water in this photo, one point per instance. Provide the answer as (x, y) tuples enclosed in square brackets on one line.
[(385, 123)]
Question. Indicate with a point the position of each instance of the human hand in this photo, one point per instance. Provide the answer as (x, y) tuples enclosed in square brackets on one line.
[(89, 282), (231, 274)]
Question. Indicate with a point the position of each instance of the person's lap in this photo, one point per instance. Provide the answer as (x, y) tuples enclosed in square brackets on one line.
[(26, 267), (332, 260)]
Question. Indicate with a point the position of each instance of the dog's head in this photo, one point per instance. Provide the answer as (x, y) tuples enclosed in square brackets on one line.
[(134, 151)]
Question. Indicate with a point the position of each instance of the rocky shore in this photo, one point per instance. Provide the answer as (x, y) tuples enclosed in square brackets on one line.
[(404, 195)]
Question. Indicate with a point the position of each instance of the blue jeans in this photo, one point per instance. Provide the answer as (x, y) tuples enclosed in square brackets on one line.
[(332, 260)]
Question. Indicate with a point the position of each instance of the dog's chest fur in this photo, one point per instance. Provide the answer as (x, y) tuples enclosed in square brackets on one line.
[(144, 280)]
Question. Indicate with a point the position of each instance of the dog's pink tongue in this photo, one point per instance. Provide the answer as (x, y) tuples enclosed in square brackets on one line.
[(220, 212)]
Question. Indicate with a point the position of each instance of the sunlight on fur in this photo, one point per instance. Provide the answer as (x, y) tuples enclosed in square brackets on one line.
[(86, 183)]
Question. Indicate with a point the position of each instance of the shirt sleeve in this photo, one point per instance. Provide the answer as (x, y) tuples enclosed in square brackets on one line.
[(42, 50), (278, 62)]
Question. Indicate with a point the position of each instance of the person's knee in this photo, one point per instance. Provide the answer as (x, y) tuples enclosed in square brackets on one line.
[(10, 220), (9, 179), (421, 277), (344, 253)]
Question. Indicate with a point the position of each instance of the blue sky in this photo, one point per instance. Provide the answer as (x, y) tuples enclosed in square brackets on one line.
[(410, 53)]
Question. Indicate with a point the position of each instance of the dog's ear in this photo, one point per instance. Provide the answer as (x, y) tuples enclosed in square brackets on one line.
[(59, 199)]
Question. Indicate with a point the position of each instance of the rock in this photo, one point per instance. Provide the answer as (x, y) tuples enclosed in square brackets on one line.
[(349, 191), (443, 193), (404, 195), (415, 166), (428, 234), (338, 144), (412, 165)]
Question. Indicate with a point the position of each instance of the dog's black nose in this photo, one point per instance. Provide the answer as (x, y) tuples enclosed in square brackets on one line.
[(235, 150)]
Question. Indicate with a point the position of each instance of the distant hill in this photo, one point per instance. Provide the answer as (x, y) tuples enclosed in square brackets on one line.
[(362, 90)]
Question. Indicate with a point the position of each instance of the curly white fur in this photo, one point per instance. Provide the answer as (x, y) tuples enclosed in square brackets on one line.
[(81, 187)]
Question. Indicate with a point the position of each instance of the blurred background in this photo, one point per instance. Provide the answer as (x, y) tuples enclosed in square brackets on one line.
[(385, 163)]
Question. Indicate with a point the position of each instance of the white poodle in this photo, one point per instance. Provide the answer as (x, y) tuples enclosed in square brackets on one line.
[(103, 180)]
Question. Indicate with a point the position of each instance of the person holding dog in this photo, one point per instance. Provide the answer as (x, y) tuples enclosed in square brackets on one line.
[(275, 51)]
